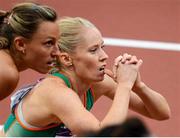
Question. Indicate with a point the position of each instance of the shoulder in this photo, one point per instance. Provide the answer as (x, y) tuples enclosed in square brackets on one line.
[(9, 79), (54, 87), (8, 71), (53, 82), (55, 94), (8, 68)]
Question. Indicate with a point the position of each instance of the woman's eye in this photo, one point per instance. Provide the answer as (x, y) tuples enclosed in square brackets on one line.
[(93, 50), (49, 43)]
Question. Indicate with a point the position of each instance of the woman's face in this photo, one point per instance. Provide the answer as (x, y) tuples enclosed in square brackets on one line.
[(89, 59), (42, 50)]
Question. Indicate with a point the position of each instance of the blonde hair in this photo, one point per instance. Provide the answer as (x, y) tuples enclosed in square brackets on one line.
[(70, 35), (70, 32)]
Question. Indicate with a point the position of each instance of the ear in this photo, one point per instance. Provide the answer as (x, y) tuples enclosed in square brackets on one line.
[(65, 59), (19, 44)]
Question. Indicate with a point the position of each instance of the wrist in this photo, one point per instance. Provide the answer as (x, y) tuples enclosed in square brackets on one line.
[(125, 85)]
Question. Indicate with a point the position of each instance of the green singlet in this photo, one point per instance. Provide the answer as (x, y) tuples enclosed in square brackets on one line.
[(16, 126)]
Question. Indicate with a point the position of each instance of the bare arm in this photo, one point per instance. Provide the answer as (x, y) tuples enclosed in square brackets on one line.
[(8, 81), (151, 102), (67, 106), (143, 100)]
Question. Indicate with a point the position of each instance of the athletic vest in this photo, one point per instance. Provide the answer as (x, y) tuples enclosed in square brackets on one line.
[(14, 128)]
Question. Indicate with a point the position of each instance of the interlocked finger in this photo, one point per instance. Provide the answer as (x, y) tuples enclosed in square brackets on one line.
[(126, 57), (133, 60), (117, 60)]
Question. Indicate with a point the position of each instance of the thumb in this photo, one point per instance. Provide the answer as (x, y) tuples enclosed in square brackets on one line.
[(140, 62)]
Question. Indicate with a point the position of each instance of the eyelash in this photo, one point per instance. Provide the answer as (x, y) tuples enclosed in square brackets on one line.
[(94, 49)]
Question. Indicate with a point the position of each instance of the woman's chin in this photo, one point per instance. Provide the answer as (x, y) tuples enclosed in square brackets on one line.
[(100, 78)]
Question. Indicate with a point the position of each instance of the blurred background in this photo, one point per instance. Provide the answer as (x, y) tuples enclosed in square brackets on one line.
[(156, 22)]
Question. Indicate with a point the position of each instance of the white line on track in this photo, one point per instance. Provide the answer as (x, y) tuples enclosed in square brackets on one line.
[(142, 44)]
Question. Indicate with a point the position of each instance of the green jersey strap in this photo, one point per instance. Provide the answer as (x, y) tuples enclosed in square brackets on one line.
[(89, 99), (66, 80)]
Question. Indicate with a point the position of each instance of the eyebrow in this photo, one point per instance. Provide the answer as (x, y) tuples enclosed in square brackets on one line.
[(95, 45), (102, 43), (51, 37)]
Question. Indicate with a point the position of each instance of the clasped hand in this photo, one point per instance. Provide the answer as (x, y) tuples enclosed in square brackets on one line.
[(126, 70)]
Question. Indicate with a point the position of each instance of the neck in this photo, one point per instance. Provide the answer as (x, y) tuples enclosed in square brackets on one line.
[(78, 84), (20, 65)]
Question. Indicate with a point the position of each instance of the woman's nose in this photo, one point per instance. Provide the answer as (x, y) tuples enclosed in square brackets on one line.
[(104, 56), (55, 51)]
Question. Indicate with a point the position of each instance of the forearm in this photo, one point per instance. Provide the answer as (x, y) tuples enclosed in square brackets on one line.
[(119, 108), (155, 104)]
